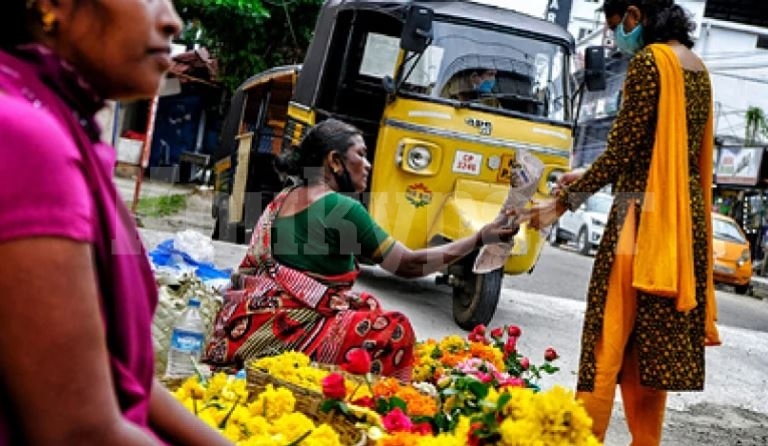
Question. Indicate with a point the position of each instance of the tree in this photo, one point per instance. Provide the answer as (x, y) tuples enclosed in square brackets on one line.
[(249, 36), (756, 126)]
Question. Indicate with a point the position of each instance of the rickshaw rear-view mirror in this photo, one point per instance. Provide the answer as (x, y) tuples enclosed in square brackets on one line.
[(417, 29), (594, 68)]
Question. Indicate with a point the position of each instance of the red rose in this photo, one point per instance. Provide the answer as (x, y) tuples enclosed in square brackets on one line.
[(525, 363), (510, 346), (479, 330), (358, 362), (365, 401), (422, 428), (497, 333), (514, 331), (550, 354), (474, 438), (333, 386)]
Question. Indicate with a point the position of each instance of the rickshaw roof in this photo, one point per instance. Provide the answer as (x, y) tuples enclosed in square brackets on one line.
[(268, 75), (458, 9)]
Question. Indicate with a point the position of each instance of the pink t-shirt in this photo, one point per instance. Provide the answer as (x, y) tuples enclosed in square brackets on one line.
[(56, 181)]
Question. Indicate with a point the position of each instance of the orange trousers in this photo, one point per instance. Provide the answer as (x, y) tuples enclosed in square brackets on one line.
[(617, 357)]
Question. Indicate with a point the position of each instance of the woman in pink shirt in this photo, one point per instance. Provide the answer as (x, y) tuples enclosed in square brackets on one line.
[(76, 291)]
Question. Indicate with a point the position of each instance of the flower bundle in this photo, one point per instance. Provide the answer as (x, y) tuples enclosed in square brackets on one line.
[(268, 420), (478, 391)]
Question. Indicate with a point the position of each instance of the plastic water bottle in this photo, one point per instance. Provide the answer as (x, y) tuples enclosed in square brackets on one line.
[(186, 342)]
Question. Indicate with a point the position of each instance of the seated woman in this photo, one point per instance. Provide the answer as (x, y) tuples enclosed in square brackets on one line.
[(292, 290)]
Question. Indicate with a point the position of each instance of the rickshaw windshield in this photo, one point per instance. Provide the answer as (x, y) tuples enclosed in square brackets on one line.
[(487, 67)]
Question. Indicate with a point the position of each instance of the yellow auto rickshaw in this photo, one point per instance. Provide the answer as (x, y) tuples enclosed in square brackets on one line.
[(446, 93)]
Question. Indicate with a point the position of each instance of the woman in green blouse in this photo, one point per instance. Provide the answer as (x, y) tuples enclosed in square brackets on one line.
[(294, 285)]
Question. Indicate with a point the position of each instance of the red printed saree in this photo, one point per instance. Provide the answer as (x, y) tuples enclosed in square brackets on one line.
[(274, 308)]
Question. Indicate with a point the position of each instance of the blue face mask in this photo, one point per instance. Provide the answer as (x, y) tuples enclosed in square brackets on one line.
[(631, 42), (486, 86)]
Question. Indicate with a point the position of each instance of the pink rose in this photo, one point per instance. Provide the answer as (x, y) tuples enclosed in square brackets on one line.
[(513, 382), (525, 363), (397, 421)]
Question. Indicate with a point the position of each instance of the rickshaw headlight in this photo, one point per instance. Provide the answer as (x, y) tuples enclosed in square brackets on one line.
[(419, 158)]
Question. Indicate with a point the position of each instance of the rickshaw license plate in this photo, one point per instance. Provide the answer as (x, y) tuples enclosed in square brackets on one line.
[(467, 162), (504, 175)]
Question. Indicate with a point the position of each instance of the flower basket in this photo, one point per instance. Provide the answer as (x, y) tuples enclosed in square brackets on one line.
[(308, 402)]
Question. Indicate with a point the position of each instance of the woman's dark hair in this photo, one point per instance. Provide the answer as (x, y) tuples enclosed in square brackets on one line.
[(664, 21), (614, 7), (14, 25), (306, 159)]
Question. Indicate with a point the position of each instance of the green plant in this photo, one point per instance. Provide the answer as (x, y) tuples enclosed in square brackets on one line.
[(756, 126), (162, 206), (249, 36)]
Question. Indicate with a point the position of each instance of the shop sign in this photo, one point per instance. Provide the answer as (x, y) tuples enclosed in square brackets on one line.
[(738, 165)]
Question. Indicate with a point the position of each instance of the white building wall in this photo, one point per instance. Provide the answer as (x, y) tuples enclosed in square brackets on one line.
[(739, 70)]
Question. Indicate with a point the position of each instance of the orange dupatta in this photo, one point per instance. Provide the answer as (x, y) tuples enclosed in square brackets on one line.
[(664, 258)]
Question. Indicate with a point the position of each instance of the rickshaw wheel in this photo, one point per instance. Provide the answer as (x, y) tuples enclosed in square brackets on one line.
[(476, 297)]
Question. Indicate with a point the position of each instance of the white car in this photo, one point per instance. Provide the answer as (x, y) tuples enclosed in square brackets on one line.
[(585, 225)]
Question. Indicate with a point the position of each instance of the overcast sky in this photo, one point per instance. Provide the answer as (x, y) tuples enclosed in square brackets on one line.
[(532, 7)]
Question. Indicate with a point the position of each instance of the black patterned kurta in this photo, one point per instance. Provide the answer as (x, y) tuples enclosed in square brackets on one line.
[(670, 343)]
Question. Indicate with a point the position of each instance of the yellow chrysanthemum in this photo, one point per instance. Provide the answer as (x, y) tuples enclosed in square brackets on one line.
[(323, 435)]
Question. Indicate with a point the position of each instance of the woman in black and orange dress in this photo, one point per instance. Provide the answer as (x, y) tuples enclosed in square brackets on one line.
[(650, 305)]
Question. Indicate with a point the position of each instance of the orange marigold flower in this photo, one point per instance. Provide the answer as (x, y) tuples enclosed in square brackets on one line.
[(416, 403), (386, 387)]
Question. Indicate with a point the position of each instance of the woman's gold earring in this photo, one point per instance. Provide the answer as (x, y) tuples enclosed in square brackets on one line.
[(49, 21)]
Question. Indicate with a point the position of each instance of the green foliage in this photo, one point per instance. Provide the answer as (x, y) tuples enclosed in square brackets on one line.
[(756, 126), (162, 206), (249, 36)]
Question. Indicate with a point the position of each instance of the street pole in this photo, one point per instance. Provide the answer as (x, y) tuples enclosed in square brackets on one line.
[(145, 151)]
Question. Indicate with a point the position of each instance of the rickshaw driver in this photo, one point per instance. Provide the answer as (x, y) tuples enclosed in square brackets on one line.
[(473, 85)]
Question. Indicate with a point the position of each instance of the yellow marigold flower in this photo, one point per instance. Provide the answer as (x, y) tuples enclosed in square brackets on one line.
[(292, 426), (240, 415), (208, 418), (462, 429), (273, 403), (423, 372), (524, 432), (521, 402), (324, 435), (232, 432), (257, 426), (452, 344), (400, 439)]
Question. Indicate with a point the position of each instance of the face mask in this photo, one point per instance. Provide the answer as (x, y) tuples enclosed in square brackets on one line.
[(631, 42), (486, 86)]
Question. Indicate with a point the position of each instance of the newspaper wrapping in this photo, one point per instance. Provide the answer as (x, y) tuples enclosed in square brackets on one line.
[(525, 171)]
